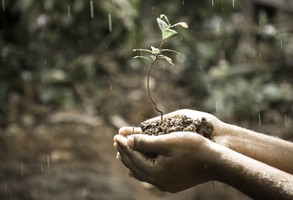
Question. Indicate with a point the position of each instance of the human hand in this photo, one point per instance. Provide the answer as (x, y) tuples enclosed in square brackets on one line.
[(182, 160)]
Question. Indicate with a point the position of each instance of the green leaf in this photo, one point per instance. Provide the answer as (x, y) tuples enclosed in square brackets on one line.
[(183, 24), (155, 51), (141, 57), (166, 33), (168, 59), (144, 50), (166, 18), (162, 25), (170, 50), (154, 57)]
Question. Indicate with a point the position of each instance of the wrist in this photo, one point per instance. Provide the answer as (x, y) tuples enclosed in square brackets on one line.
[(222, 134)]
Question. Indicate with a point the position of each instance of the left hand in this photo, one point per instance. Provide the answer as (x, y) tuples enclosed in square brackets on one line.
[(182, 160)]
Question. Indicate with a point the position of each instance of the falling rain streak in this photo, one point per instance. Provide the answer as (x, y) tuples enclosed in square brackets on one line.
[(285, 121), (213, 3), (110, 22), (92, 8), (48, 161), (217, 107), (68, 10), (259, 120), (21, 168), (3, 5), (233, 3)]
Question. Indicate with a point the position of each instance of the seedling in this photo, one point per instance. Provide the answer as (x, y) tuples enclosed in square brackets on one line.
[(156, 53)]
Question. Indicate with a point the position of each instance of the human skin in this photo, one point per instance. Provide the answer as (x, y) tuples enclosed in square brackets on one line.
[(187, 159), (261, 147)]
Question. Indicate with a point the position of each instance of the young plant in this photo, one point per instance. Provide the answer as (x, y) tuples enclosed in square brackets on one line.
[(156, 53)]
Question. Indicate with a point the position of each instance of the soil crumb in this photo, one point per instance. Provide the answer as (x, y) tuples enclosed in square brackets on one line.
[(176, 124)]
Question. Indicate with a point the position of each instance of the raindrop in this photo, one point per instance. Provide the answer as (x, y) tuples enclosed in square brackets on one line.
[(48, 161), (3, 5), (259, 119), (92, 8), (84, 193), (285, 121), (209, 88), (6, 189), (233, 3), (68, 10), (213, 3), (42, 169), (281, 44), (183, 2), (21, 168), (110, 22), (217, 107)]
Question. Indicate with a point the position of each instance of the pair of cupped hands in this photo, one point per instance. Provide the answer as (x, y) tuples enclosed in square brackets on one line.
[(182, 159)]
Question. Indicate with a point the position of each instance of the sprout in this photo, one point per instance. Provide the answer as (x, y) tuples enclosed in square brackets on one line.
[(157, 52)]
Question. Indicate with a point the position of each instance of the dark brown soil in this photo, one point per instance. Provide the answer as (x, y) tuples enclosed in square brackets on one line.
[(176, 124)]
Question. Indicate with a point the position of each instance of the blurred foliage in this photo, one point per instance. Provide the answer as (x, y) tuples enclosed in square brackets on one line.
[(59, 45)]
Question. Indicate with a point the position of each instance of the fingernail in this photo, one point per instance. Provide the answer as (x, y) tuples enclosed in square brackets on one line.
[(115, 144), (118, 156)]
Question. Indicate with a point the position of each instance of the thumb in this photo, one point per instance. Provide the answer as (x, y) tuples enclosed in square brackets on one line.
[(148, 144)]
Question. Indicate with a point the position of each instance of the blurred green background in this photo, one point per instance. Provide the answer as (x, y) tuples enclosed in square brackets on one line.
[(70, 62)]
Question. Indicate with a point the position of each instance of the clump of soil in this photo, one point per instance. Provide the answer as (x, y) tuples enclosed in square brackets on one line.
[(176, 124)]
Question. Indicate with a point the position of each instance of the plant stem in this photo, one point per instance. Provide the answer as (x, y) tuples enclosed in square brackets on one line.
[(148, 88)]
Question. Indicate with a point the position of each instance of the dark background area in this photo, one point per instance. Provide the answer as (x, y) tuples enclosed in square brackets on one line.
[(68, 81)]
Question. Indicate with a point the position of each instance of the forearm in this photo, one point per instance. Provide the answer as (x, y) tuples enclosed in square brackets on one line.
[(252, 177), (267, 149)]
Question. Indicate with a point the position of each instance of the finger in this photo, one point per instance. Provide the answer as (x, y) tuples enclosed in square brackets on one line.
[(149, 144), (129, 130), (135, 163), (118, 156)]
